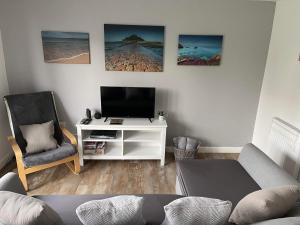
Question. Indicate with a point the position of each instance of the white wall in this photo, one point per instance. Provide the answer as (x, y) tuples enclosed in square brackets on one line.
[(280, 95), (5, 151), (217, 104)]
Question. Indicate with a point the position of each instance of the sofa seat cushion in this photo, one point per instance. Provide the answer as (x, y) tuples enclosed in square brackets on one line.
[(221, 179), (65, 206), (63, 151)]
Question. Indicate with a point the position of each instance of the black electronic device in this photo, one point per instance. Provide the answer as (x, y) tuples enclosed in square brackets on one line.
[(133, 102), (97, 115), (105, 134), (88, 113)]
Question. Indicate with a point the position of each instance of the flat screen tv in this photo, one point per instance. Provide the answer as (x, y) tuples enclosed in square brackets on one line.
[(134, 102)]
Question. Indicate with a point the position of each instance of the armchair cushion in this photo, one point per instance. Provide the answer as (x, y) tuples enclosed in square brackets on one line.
[(39, 137), (63, 151)]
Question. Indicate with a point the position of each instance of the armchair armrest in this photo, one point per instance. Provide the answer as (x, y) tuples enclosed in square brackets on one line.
[(69, 136), (16, 148)]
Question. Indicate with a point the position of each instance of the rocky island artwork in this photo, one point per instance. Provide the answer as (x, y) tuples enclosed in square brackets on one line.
[(134, 48), (200, 50), (66, 47)]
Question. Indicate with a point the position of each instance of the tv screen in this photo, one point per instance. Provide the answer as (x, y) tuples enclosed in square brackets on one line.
[(135, 102)]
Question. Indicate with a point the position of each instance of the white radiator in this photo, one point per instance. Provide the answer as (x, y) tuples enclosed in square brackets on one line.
[(284, 146)]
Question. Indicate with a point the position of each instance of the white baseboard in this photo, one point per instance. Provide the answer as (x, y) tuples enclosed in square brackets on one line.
[(220, 149), (213, 149), (5, 159)]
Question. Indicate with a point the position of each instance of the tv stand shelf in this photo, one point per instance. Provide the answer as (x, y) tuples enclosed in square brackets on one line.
[(137, 139)]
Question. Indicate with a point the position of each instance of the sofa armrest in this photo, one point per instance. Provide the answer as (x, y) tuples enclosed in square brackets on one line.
[(280, 221), (11, 182), (262, 169)]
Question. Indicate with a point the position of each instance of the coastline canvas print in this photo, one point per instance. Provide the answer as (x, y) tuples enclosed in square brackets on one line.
[(134, 48), (66, 47), (200, 50)]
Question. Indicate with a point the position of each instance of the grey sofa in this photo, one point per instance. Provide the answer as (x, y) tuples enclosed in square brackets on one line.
[(223, 179), (232, 180)]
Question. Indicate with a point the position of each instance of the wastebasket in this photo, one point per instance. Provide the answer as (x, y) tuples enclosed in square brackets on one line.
[(185, 147)]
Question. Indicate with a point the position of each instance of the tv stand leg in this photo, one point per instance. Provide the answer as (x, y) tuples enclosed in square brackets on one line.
[(106, 118), (150, 120)]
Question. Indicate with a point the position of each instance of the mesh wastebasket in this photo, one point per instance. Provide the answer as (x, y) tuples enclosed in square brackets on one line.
[(185, 148)]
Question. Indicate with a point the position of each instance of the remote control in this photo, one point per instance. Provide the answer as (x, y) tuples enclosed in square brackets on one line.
[(85, 121)]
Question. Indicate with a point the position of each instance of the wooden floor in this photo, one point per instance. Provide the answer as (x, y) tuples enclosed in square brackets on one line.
[(110, 177)]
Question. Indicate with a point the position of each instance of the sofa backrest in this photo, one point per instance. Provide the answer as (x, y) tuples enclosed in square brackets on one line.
[(11, 182), (262, 169)]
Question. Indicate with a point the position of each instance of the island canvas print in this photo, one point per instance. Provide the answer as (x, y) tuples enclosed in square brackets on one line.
[(66, 47), (134, 48), (200, 50)]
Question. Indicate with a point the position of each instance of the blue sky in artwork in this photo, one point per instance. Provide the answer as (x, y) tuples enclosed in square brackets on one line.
[(115, 33), (58, 34), (209, 41)]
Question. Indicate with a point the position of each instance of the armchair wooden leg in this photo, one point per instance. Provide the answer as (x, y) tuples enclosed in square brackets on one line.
[(23, 178), (77, 164), (76, 167)]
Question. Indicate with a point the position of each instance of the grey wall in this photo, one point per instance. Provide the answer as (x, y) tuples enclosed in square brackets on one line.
[(5, 151), (280, 95), (217, 104)]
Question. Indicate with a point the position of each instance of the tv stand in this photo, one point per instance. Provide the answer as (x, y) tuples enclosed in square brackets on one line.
[(150, 120), (137, 139), (106, 118)]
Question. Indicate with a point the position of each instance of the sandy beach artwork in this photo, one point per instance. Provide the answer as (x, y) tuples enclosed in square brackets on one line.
[(200, 50), (66, 47), (134, 48)]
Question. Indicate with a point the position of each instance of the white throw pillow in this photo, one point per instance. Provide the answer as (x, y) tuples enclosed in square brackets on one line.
[(39, 137), (196, 211), (119, 210), (17, 209), (265, 204)]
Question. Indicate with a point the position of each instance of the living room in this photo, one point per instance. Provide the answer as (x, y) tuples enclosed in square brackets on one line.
[(208, 128)]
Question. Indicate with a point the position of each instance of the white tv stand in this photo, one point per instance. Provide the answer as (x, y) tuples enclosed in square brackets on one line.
[(137, 139)]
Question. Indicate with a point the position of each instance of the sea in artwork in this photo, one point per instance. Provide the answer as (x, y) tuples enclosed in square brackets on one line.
[(200, 49), (134, 48), (66, 47)]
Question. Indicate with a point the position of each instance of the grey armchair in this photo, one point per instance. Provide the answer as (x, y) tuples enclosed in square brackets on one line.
[(37, 108)]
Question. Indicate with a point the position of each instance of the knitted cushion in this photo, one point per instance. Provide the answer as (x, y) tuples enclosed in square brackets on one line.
[(20, 209), (119, 210), (197, 210)]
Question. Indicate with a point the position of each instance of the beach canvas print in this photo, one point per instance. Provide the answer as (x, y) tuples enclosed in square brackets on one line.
[(134, 48), (66, 47), (200, 50)]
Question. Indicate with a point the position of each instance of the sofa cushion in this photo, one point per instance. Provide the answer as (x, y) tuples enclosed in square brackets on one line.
[(222, 179), (123, 209), (63, 151), (197, 210), (17, 209), (265, 204), (65, 206)]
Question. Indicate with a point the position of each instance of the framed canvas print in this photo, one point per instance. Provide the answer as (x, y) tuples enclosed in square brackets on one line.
[(66, 47), (200, 50), (134, 48)]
